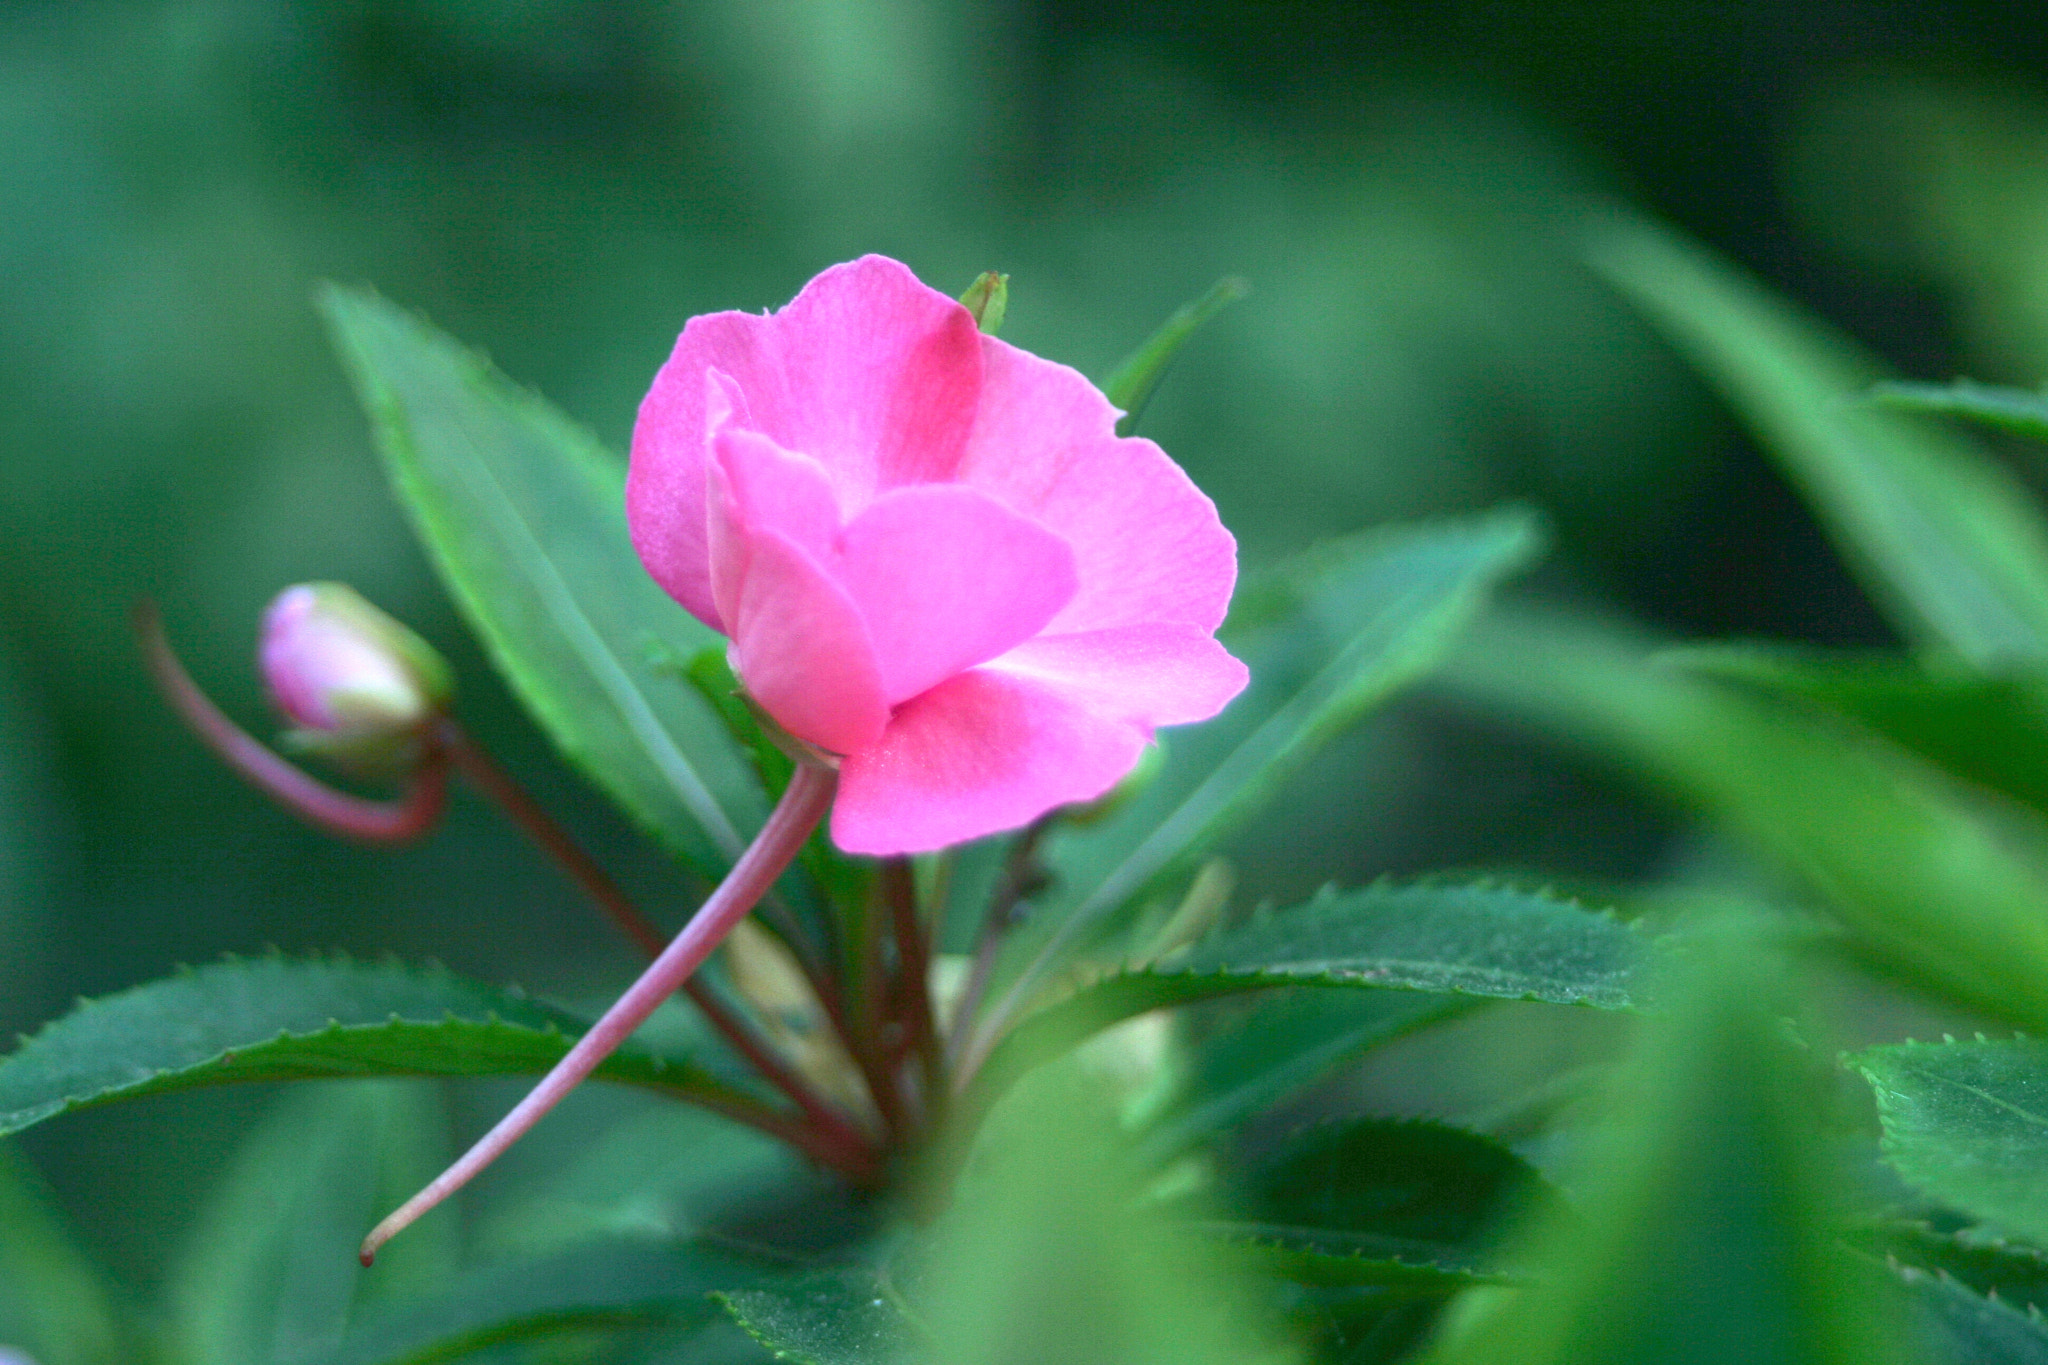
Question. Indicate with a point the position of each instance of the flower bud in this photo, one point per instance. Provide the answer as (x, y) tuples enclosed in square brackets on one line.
[(359, 687)]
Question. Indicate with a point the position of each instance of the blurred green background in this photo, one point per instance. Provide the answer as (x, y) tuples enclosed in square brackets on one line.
[(564, 183)]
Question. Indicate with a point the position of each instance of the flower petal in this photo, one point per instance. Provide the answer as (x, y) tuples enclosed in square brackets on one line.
[(756, 485), (981, 752), (1148, 543), (1150, 675), (801, 649), (870, 372), (947, 578)]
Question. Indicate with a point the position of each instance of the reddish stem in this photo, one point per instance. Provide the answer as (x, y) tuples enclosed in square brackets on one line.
[(803, 805), (375, 822), (913, 983), (474, 762)]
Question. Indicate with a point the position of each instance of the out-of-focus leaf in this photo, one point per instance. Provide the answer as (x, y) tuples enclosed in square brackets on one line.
[(831, 1317), (2016, 1275), (612, 1292), (1131, 384), (271, 1274), (1286, 1041), (660, 1174), (1480, 941), (1710, 1204), (1045, 1254), (1388, 1204), (1971, 1329), (1326, 640), (1942, 537), (1420, 1182), (2021, 411), (1992, 731), (284, 1019), (1968, 1124), (1906, 856), (53, 1303), (525, 517)]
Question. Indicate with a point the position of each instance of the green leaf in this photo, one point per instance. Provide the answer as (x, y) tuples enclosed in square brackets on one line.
[(282, 1019), (1972, 1328), (1937, 881), (1287, 1040), (1987, 730), (2020, 411), (1380, 1203), (1478, 941), (1308, 1256), (612, 1292), (1131, 384), (831, 1317), (2016, 1275), (1968, 1124), (524, 516), (1327, 639), (1947, 542), (1418, 1182), (53, 1302), (271, 1273), (1045, 1253), (1710, 1201)]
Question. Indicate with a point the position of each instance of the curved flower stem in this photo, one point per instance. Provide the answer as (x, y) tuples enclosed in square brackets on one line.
[(803, 805), (375, 822), (474, 762)]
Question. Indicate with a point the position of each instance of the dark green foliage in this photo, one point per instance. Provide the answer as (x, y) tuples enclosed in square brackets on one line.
[(525, 516), (278, 1019)]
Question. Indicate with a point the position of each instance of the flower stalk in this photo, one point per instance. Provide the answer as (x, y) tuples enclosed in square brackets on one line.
[(804, 803)]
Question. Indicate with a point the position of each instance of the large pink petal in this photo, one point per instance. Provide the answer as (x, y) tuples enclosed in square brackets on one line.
[(1151, 675), (870, 372), (946, 578), (801, 649), (1148, 544), (981, 752)]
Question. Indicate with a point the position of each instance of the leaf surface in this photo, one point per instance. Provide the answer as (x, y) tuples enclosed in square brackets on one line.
[(1709, 1200), (1944, 539), (1326, 641), (1991, 731), (53, 1301), (1968, 1124), (1478, 941), (271, 1272), (1943, 884), (835, 1317), (1131, 385), (524, 516), (2020, 411), (612, 1292), (1286, 1040), (283, 1019)]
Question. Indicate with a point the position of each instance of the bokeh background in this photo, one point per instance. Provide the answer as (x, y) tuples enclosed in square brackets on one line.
[(564, 183)]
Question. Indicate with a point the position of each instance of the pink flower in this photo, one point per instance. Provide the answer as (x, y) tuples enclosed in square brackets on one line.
[(932, 554)]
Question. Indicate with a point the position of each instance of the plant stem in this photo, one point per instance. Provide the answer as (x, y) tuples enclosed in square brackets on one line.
[(474, 762), (373, 822), (803, 805), (914, 980), (1021, 875)]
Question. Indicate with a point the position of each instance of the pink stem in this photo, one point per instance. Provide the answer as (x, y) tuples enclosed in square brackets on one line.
[(475, 763), (375, 822), (803, 805)]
